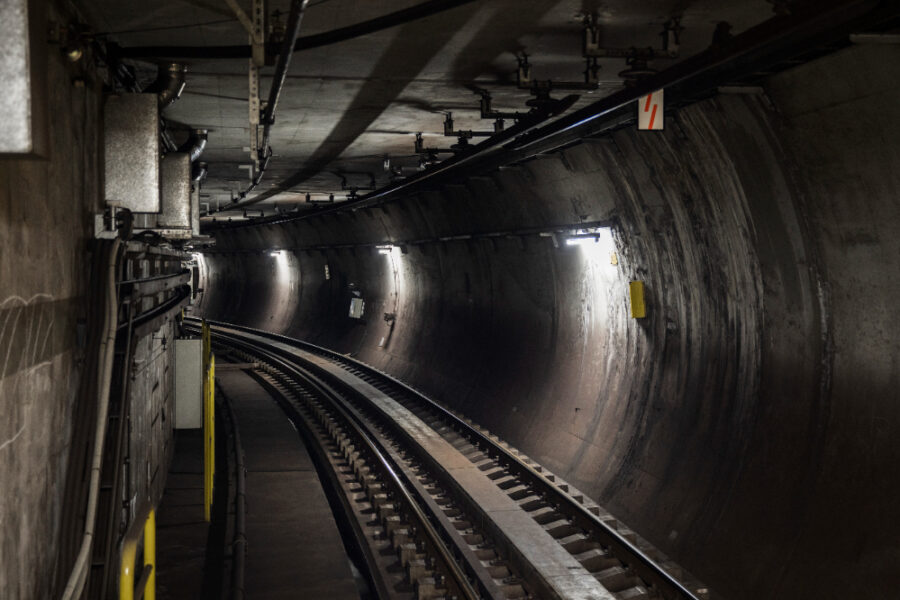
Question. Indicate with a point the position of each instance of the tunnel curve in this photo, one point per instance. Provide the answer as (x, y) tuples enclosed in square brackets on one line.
[(743, 425)]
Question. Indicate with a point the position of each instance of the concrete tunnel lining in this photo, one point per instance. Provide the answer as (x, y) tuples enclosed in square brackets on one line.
[(744, 427)]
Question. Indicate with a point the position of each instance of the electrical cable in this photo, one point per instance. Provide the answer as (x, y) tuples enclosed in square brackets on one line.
[(164, 28), (78, 576), (334, 36)]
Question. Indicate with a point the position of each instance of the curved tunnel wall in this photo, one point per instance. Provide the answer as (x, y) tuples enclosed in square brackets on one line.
[(747, 425)]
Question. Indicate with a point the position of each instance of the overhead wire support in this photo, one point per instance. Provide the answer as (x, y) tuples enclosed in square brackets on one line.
[(298, 8), (263, 150), (292, 43)]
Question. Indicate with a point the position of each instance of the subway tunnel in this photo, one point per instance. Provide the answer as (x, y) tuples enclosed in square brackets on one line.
[(687, 327)]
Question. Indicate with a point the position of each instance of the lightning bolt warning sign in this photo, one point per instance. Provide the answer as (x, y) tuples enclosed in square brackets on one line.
[(650, 111)]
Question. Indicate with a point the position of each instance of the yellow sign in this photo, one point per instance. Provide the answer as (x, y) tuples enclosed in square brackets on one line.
[(638, 307)]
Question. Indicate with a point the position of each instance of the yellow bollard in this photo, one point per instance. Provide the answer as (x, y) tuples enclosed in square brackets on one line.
[(209, 437), (126, 574)]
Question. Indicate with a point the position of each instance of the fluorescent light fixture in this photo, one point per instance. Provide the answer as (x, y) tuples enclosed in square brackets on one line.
[(582, 240), (275, 253), (597, 245), (385, 249)]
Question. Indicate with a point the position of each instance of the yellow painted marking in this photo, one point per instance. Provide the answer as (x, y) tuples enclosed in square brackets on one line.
[(638, 307)]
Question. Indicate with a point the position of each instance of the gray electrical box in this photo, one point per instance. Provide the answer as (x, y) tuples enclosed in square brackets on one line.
[(175, 195), (131, 152), (195, 210), (24, 129), (188, 384)]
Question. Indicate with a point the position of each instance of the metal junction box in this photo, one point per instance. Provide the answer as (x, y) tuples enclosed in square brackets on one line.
[(24, 117), (175, 195), (132, 152), (195, 210)]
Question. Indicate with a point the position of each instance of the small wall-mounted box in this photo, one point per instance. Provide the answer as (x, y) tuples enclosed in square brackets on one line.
[(638, 307)]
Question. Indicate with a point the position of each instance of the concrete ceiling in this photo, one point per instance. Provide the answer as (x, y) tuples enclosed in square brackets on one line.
[(347, 106)]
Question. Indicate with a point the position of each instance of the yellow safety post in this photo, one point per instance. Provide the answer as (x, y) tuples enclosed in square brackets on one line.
[(146, 587), (209, 437), (209, 422), (150, 555)]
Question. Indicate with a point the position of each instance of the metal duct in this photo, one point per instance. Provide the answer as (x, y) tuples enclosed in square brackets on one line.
[(169, 83), (199, 170), (131, 152), (196, 144)]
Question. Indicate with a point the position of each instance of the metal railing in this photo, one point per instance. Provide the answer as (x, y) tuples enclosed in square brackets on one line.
[(143, 528)]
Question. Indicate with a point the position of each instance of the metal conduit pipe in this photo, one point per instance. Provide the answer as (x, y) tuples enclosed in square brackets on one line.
[(196, 143), (298, 8), (199, 171), (318, 40), (169, 83), (263, 152), (78, 576)]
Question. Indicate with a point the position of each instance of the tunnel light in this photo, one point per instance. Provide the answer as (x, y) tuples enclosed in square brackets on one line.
[(386, 250), (275, 253), (592, 238), (597, 245), (582, 240)]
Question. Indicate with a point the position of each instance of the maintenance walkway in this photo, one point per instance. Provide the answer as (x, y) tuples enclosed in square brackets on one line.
[(294, 547)]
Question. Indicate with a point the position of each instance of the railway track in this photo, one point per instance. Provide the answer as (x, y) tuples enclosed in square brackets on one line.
[(440, 507)]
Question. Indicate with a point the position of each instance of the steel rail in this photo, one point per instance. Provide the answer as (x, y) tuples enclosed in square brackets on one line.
[(390, 470), (644, 566)]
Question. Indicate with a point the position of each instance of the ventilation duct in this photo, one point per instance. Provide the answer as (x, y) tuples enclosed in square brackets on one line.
[(196, 144), (131, 152), (199, 170), (169, 83)]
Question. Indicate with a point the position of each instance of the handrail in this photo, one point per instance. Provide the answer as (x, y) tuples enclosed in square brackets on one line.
[(146, 586)]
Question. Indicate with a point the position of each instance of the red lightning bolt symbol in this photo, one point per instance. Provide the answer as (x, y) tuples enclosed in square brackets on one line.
[(647, 109)]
